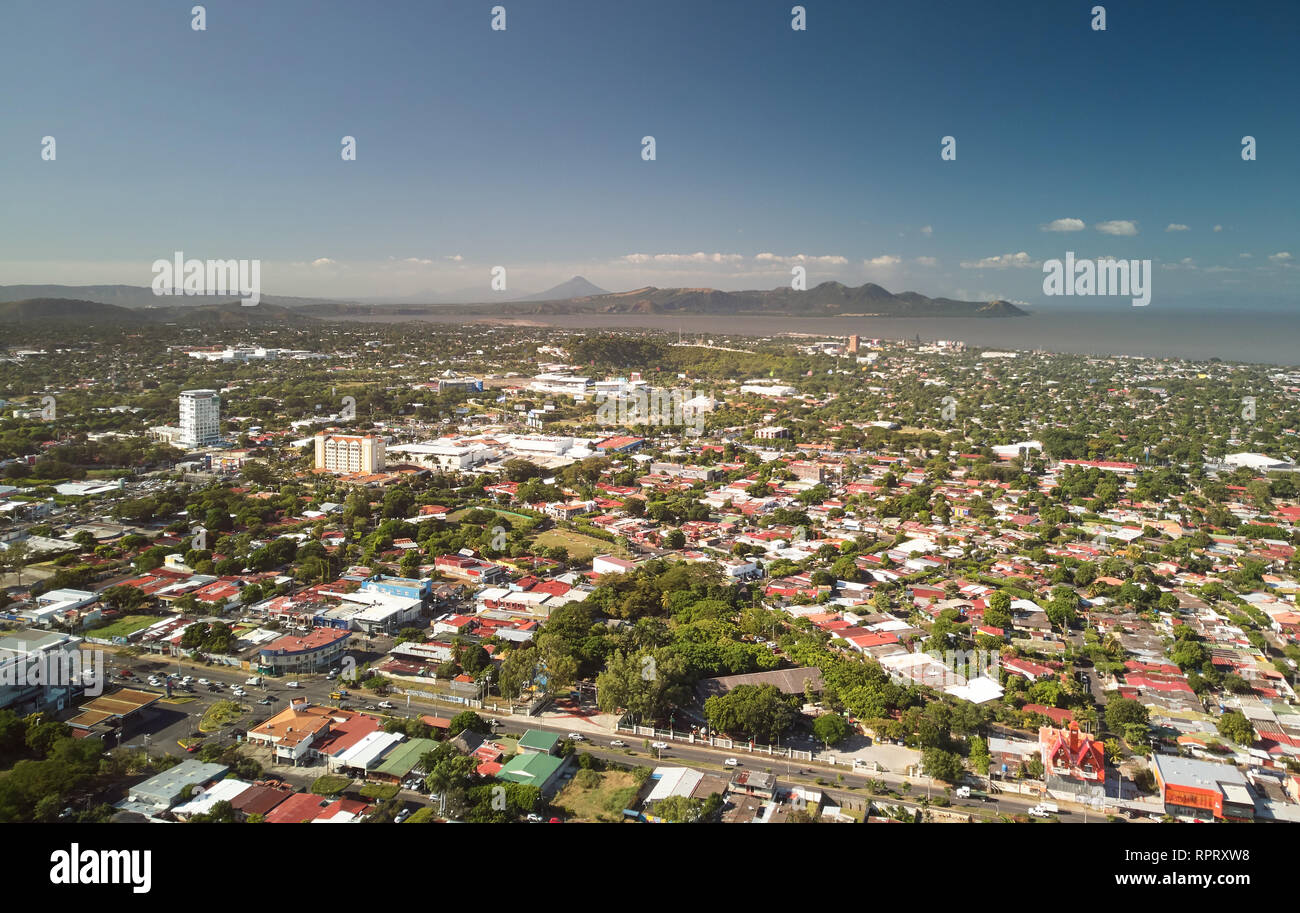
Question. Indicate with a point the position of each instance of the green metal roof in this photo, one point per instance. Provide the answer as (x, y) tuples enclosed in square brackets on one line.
[(405, 756), (539, 740), (533, 769)]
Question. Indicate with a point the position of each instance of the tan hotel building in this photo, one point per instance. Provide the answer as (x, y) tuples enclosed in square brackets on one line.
[(349, 453)]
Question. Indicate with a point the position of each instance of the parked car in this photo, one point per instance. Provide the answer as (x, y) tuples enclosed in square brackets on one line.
[(536, 819), (402, 816)]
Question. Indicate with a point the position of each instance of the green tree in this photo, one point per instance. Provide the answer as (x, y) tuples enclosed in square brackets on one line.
[(831, 728)]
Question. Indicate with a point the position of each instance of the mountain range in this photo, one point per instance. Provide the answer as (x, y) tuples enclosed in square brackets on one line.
[(132, 304), (829, 299)]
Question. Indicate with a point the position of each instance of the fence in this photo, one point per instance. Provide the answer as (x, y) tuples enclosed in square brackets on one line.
[(694, 738)]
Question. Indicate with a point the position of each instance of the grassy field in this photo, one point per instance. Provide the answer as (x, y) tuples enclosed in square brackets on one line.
[(581, 548), (458, 515), (617, 791), (124, 626), (380, 791), (330, 785), (222, 713)]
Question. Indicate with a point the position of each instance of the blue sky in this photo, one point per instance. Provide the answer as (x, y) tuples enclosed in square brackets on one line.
[(523, 147)]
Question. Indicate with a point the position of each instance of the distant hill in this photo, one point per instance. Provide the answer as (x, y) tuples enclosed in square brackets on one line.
[(95, 313), (576, 296), (577, 287), (132, 296), (830, 299)]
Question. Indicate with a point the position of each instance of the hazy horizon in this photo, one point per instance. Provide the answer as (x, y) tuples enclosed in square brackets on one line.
[(775, 148)]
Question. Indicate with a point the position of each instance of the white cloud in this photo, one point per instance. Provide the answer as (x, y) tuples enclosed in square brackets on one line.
[(456, 257), (1218, 228), (883, 260), (323, 261), (697, 257), (824, 260), (1176, 226), (1064, 225), (927, 230), (927, 261), (1280, 257), (1121, 227), (1247, 256), (417, 261), (1020, 260)]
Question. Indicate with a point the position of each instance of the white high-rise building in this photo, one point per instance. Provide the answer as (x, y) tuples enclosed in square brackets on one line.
[(200, 418)]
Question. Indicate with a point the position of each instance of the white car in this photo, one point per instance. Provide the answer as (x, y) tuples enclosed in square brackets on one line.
[(576, 737), (731, 762), (386, 705), (659, 745), (618, 743), (204, 681), (293, 684)]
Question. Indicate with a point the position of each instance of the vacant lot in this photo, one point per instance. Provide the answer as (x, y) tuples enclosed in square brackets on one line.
[(330, 785), (581, 548), (605, 802), (124, 626)]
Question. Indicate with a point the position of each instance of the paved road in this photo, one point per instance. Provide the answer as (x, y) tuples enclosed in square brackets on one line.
[(181, 720)]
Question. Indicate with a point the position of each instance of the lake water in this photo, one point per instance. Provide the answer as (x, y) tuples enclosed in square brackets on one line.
[(1269, 337)]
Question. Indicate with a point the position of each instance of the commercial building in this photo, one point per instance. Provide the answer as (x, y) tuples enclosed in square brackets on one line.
[(200, 418), (162, 791), (445, 455), (1203, 789), (560, 383), (40, 671), (303, 653), (349, 453)]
